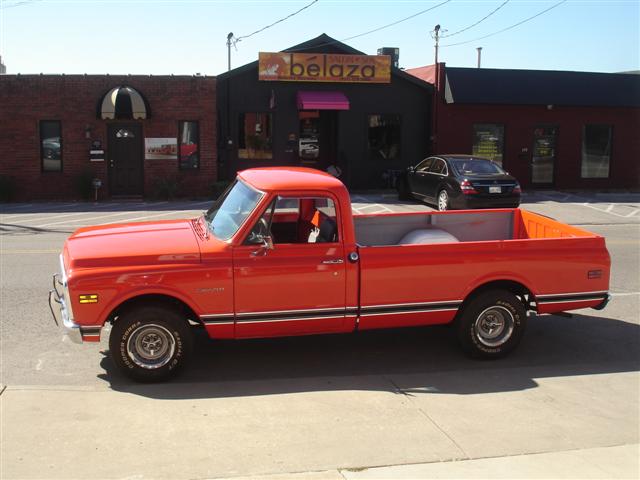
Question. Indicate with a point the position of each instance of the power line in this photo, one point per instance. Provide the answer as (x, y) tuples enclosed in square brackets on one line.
[(396, 22), (274, 23), (370, 31), (478, 22), (508, 28)]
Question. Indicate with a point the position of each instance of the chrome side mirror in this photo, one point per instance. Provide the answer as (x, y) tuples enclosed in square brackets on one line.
[(267, 244)]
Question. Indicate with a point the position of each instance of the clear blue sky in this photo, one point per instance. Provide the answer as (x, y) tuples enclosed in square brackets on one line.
[(185, 37)]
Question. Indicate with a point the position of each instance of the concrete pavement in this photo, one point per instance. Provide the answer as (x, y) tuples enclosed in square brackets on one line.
[(202, 430), (608, 462)]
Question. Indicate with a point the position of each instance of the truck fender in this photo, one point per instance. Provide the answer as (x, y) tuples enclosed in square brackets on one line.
[(500, 280), (171, 294)]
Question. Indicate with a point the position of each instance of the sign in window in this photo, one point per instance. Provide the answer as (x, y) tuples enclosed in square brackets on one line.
[(488, 141)]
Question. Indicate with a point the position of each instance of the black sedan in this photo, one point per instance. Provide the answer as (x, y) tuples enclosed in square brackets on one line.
[(460, 182)]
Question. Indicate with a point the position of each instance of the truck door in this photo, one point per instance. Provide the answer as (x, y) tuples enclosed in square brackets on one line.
[(298, 286)]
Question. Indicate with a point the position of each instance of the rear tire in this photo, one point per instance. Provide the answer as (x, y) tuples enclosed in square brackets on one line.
[(150, 343), (492, 324), (443, 201)]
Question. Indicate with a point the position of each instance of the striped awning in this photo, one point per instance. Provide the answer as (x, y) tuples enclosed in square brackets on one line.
[(123, 103)]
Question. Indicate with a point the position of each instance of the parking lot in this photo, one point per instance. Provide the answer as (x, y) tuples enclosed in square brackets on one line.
[(344, 404)]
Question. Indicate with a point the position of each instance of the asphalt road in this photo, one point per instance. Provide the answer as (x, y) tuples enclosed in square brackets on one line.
[(386, 398)]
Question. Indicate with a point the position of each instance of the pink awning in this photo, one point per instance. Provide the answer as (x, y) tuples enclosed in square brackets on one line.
[(322, 101)]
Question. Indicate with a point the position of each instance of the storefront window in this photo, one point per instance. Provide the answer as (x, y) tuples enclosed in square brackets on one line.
[(384, 137), (596, 151), (488, 141), (254, 134), (189, 148), (51, 145)]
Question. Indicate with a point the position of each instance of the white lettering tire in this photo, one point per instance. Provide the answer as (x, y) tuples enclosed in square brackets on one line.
[(150, 343), (492, 324)]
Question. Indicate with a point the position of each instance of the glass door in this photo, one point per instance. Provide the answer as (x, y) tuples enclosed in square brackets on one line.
[(544, 155)]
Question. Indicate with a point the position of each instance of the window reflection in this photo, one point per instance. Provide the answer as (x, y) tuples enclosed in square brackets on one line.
[(384, 137), (596, 151), (254, 136), (189, 138), (51, 145)]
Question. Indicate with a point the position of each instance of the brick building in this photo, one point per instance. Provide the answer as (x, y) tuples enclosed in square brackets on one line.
[(550, 129), (141, 136)]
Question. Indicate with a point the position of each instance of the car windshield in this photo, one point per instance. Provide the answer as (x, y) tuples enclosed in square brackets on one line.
[(230, 211), (475, 166)]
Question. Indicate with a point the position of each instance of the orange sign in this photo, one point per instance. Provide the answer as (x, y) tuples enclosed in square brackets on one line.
[(324, 67)]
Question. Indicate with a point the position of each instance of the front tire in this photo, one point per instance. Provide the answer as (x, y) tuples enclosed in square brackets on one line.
[(150, 343), (492, 324)]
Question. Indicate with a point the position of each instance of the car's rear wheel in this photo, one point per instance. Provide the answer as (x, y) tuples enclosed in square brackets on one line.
[(491, 324), (150, 343), (443, 201)]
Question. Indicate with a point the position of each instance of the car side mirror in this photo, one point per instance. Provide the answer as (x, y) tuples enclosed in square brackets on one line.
[(267, 244)]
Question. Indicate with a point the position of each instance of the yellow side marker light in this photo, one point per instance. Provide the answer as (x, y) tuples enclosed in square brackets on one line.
[(89, 298)]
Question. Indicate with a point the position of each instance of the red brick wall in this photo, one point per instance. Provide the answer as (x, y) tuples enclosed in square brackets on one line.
[(74, 100), (455, 135)]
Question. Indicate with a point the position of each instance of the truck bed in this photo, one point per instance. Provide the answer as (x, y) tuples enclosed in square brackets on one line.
[(465, 226), (401, 284)]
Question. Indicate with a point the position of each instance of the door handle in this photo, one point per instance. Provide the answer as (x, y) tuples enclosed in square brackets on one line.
[(332, 262)]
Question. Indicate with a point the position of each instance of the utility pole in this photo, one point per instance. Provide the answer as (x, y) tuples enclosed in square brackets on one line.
[(479, 55), (436, 92), (436, 36), (229, 37)]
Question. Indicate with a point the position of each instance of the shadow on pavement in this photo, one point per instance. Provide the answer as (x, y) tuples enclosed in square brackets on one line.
[(423, 360)]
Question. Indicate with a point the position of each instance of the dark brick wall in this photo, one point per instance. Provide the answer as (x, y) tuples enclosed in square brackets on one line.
[(74, 100), (455, 135)]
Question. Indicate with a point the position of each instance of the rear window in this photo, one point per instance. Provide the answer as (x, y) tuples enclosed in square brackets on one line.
[(475, 167)]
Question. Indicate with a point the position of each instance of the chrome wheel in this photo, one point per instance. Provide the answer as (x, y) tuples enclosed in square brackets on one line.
[(443, 201), (151, 346), (494, 326)]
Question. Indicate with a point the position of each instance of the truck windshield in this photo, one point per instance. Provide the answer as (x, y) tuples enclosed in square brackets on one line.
[(230, 211), (475, 167)]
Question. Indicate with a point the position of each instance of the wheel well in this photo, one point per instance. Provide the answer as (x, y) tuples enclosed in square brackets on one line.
[(155, 299), (518, 289)]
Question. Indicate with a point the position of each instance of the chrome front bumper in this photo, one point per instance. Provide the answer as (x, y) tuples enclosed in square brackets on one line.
[(58, 302)]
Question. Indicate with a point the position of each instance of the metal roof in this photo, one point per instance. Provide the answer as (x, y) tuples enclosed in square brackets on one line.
[(541, 87)]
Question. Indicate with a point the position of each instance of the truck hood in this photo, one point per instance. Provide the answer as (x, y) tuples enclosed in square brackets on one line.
[(146, 243)]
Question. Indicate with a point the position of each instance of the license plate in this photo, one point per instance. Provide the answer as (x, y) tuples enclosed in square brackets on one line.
[(495, 190)]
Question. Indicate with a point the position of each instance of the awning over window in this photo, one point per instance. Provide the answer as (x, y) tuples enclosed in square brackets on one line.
[(123, 103), (322, 101)]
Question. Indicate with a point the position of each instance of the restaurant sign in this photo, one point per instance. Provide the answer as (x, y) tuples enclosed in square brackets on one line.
[(324, 67)]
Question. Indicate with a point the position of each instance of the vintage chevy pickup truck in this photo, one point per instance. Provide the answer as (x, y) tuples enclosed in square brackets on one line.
[(280, 254)]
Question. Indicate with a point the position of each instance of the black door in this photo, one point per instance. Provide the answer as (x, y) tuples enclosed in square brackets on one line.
[(544, 155), (418, 179), (328, 140), (125, 159)]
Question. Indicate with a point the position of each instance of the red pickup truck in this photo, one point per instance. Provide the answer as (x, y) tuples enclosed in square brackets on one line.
[(280, 254)]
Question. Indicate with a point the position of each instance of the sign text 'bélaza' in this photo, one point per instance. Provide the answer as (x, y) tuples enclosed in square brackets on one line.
[(324, 67)]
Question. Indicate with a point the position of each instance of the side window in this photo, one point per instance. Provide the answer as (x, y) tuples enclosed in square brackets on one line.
[(51, 145), (424, 165), (438, 167), (297, 220)]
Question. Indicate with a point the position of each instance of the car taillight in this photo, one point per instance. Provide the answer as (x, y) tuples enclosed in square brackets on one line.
[(517, 188), (467, 188)]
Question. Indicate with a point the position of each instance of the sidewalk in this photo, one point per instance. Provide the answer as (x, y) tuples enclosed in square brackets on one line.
[(324, 428), (607, 462)]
